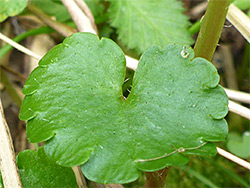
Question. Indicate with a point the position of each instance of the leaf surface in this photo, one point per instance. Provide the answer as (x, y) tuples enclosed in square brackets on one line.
[(74, 102), (239, 145), (36, 170), (141, 24), (11, 8)]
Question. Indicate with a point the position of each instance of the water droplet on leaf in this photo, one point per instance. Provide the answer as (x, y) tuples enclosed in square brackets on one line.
[(184, 52)]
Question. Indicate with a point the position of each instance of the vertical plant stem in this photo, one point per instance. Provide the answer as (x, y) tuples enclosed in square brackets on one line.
[(211, 28), (9, 170), (81, 20), (81, 182), (83, 6)]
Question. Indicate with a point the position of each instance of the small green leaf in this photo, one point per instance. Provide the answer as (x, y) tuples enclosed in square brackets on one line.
[(74, 102), (239, 145), (36, 170), (141, 24), (11, 8), (242, 4)]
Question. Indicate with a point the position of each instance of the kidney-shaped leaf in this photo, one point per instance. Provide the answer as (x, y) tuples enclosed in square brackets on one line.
[(11, 8), (74, 102), (36, 170)]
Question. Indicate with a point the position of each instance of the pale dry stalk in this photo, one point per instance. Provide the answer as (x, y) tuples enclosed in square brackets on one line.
[(8, 166), (19, 47)]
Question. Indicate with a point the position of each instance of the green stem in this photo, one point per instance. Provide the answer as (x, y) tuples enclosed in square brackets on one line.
[(195, 27), (211, 28), (4, 50)]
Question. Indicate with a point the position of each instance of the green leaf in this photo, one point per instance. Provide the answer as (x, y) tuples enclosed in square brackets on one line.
[(74, 102), (11, 8), (141, 24), (36, 170), (242, 4), (105, 31), (239, 145)]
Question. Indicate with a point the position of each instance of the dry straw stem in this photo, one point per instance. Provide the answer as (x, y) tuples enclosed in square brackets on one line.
[(234, 158), (240, 21), (238, 95), (239, 109), (83, 6), (61, 28), (79, 177), (131, 63), (19, 47), (8, 166), (82, 22)]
